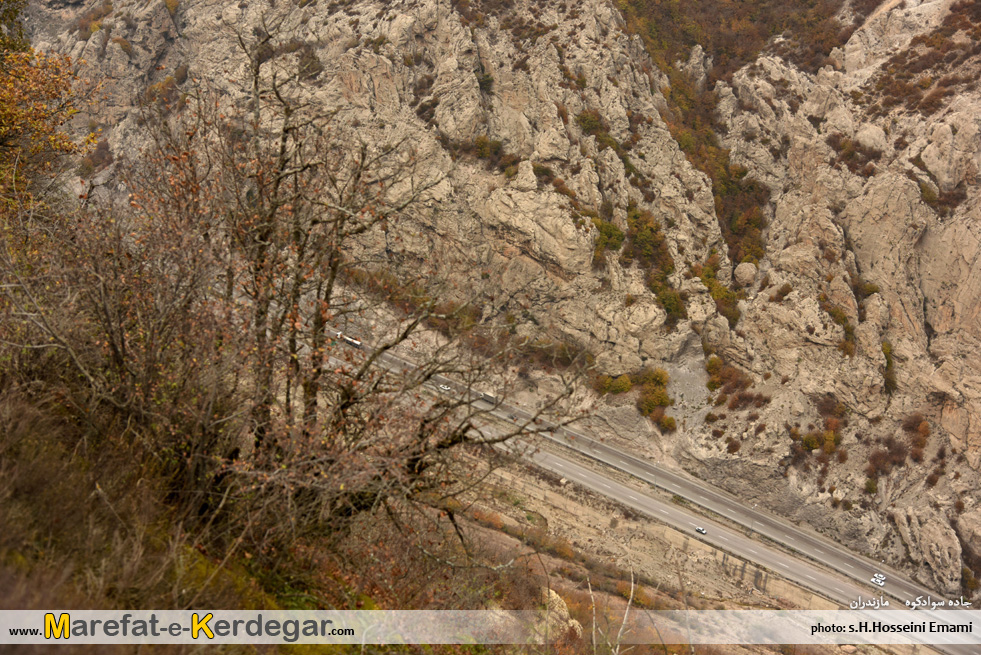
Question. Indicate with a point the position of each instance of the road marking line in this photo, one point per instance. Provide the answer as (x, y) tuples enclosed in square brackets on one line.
[(632, 497), (662, 511), (809, 577), (848, 565), (752, 551), (819, 550), (838, 590), (605, 485), (723, 538)]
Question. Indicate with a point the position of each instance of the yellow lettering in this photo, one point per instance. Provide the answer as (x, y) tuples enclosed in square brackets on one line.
[(201, 624), (57, 628)]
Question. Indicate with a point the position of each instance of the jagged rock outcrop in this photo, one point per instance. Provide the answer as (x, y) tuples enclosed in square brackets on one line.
[(969, 525), (557, 624), (933, 546), (860, 226)]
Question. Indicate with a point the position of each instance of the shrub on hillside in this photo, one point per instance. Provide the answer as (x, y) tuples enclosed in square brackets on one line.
[(729, 378), (782, 292), (621, 384)]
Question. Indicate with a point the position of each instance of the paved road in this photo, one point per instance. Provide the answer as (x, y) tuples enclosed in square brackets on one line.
[(733, 540), (724, 537), (808, 543), (805, 543)]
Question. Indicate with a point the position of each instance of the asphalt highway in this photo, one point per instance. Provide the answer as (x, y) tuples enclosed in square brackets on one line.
[(830, 584), (724, 537), (814, 561)]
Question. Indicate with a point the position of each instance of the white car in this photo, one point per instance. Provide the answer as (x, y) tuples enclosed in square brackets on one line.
[(879, 581), (444, 387), (701, 531)]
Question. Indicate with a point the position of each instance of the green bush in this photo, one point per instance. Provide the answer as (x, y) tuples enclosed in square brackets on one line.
[(646, 245), (726, 300), (837, 314), (543, 173), (486, 148), (671, 301), (610, 236), (486, 82), (858, 158), (590, 122), (812, 440), (621, 384), (889, 374), (652, 396), (657, 376), (928, 194), (647, 405)]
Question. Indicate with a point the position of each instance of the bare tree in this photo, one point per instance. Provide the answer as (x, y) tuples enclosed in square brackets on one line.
[(204, 318), (613, 643)]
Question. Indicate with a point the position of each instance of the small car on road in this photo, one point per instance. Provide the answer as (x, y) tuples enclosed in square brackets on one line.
[(879, 581), (444, 387), (701, 530)]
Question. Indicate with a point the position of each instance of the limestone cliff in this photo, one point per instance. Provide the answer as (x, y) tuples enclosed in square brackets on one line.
[(541, 121)]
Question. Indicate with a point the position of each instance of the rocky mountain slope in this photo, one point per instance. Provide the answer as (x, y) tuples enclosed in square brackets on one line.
[(540, 126)]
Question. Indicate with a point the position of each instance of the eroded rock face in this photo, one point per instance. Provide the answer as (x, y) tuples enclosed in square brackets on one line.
[(872, 243), (424, 74), (969, 526), (899, 276), (933, 546)]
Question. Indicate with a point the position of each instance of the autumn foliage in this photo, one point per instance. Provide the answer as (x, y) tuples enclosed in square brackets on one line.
[(174, 362), (35, 103)]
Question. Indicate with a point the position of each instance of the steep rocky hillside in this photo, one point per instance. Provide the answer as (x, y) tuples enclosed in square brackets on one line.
[(875, 229), (844, 384)]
